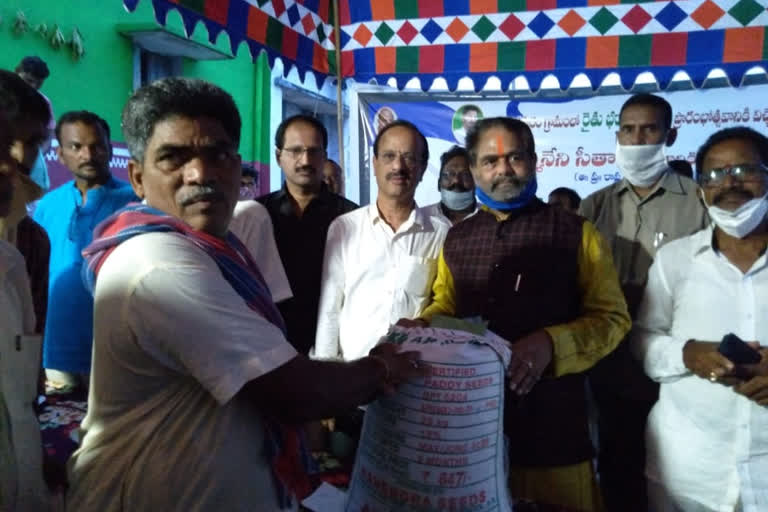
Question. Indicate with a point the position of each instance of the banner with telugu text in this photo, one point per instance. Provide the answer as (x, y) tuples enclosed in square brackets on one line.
[(575, 138)]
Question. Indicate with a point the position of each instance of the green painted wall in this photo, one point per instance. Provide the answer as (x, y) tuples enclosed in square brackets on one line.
[(102, 80), (249, 84)]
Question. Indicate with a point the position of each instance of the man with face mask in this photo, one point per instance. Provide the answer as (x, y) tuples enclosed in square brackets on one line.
[(708, 433), (456, 186), (543, 279), (649, 207), (28, 116)]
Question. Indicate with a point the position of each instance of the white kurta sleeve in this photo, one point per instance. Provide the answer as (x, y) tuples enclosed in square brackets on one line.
[(253, 226), (652, 342), (331, 295)]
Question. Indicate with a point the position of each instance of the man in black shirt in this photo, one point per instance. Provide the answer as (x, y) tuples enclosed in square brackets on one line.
[(301, 212)]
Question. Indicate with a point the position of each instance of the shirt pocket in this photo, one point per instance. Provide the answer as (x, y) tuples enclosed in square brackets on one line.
[(416, 274)]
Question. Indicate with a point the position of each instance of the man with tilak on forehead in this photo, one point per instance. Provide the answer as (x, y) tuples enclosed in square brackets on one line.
[(543, 279)]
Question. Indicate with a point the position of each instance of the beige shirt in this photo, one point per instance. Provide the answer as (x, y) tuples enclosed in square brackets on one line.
[(636, 228), (166, 427)]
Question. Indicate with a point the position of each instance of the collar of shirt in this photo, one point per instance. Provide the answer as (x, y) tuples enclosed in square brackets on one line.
[(669, 182), (703, 243), (286, 203), (502, 216), (435, 210), (417, 218), (93, 193), (440, 207)]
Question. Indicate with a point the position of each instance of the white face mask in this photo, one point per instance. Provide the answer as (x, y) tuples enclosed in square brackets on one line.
[(743, 220), (457, 200), (642, 166)]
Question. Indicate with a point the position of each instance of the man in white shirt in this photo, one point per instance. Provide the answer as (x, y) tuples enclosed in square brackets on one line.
[(456, 187), (21, 469), (707, 436), (193, 380), (380, 260), (253, 226)]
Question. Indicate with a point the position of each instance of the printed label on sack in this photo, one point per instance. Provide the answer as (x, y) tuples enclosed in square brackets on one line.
[(438, 443)]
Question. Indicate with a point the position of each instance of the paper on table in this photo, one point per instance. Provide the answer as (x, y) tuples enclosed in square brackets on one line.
[(326, 498)]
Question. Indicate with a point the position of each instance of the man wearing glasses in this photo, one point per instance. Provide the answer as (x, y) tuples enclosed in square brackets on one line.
[(456, 186), (708, 433), (649, 207), (301, 212), (69, 214), (380, 260)]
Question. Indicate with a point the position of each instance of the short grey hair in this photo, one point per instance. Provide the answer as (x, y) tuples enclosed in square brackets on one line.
[(176, 97)]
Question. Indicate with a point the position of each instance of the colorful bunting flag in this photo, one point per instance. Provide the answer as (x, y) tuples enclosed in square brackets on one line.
[(503, 38), (534, 38), (297, 31)]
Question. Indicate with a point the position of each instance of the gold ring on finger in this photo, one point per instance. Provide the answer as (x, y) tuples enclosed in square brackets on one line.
[(712, 377)]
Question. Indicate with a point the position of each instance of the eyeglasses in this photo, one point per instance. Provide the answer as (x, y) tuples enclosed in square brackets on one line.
[(297, 151), (742, 172), (410, 159)]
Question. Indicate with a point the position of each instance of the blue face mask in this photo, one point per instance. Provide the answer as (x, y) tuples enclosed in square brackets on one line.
[(39, 173), (457, 200), (525, 197)]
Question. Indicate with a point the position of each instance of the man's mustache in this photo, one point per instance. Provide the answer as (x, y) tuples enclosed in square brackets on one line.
[(92, 164), (457, 187), (306, 168), (504, 180), (397, 174), (733, 193), (200, 193)]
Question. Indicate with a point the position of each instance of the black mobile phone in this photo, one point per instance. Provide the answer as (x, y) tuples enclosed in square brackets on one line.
[(737, 351)]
